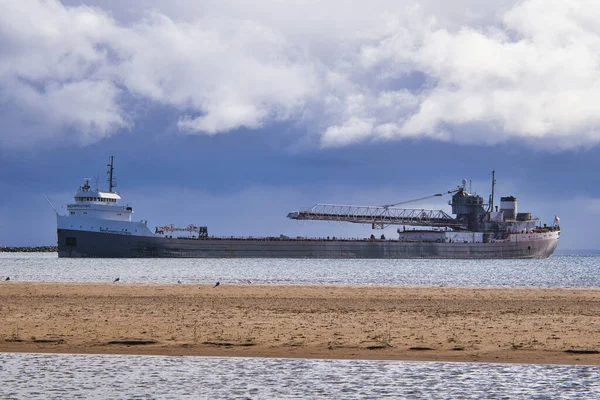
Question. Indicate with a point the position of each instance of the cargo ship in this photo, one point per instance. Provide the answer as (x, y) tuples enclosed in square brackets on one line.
[(96, 225)]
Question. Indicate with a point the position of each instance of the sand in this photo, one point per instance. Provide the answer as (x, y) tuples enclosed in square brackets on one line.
[(530, 325)]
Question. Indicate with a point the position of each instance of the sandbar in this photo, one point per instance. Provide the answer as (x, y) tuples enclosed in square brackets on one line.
[(472, 324)]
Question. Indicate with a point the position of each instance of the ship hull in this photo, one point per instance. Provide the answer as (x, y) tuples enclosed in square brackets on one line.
[(77, 243)]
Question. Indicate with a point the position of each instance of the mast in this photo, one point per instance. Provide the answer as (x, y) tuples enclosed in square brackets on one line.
[(111, 184), (493, 186)]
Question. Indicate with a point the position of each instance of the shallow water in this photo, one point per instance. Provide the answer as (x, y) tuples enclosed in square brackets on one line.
[(140, 377), (556, 271)]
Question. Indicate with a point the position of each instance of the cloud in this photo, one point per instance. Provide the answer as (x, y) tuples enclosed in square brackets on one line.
[(76, 69), (387, 70), (52, 74), (534, 77), (82, 111), (352, 130), (223, 74)]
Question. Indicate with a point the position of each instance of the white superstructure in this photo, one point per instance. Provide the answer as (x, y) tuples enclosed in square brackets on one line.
[(97, 211), (97, 204)]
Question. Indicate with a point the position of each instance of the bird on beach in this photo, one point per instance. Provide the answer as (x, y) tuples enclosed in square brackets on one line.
[(178, 281), (217, 284), (117, 280), (7, 278)]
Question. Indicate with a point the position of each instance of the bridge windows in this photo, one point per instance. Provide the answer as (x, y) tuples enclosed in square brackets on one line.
[(102, 199)]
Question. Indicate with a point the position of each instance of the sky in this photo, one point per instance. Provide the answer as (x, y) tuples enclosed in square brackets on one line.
[(231, 114)]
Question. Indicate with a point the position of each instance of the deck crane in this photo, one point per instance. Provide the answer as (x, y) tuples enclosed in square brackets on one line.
[(380, 216), (200, 230)]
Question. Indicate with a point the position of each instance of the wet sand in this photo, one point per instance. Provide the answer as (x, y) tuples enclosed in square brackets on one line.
[(309, 321)]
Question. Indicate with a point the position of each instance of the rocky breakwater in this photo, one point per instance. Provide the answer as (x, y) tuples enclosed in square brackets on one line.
[(37, 249)]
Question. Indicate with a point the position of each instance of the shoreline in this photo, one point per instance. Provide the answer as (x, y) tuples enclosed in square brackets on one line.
[(417, 323)]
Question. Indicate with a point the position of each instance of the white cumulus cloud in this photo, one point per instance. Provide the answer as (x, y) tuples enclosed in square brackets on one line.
[(470, 71), (534, 76)]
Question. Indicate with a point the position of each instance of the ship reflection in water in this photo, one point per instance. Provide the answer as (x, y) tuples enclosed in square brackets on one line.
[(97, 226), (60, 376)]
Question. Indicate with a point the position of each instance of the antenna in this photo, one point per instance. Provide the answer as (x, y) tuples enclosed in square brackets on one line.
[(111, 184)]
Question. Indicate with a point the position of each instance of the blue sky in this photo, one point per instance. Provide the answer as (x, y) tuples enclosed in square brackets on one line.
[(231, 116)]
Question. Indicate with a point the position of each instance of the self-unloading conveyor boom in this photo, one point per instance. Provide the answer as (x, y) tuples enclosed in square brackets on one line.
[(379, 216)]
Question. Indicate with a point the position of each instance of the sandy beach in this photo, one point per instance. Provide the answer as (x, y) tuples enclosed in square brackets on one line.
[(531, 325)]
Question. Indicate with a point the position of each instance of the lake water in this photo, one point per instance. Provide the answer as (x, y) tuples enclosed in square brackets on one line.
[(54, 376), (143, 377), (556, 271)]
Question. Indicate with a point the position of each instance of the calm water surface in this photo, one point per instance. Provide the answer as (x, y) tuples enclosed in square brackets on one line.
[(556, 271), (141, 377)]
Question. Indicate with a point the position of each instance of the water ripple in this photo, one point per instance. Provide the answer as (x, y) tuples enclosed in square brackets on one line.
[(556, 271), (58, 376)]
